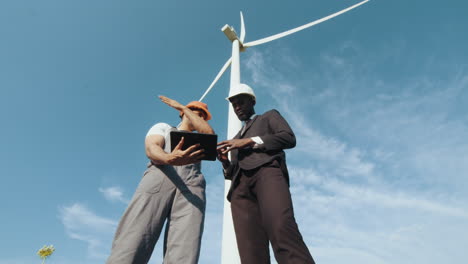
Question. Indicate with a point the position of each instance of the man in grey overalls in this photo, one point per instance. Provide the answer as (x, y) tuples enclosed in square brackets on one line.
[(172, 189)]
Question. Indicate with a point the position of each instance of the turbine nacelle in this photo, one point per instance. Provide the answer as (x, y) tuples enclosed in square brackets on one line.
[(232, 35), (230, 32)]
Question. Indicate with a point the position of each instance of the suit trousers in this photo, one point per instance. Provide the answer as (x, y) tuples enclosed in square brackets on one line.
[(262, 212), (160, 198)]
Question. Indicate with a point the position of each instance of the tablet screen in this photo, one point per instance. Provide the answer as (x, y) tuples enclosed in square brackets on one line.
[(207, 142)]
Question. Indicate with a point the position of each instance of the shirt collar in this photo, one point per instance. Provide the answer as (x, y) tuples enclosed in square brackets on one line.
[(250, 118)]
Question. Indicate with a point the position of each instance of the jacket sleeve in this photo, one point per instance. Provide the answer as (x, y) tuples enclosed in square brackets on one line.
[(281, 136), (228, 172), (233, 165)]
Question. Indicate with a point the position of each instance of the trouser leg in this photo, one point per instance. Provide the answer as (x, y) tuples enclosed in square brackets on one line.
[(274, 200), (252, 241), (141, 224), (184, 228)]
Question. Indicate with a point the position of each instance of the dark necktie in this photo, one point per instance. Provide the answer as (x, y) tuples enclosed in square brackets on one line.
[(245, 126)]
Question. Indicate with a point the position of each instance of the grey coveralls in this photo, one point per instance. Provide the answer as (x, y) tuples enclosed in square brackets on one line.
[(172, 193)]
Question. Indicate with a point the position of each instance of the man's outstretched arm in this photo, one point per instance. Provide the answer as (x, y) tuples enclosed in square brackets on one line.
[(198, 123)]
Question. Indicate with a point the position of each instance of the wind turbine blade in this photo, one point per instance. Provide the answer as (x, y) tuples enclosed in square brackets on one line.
[(294, 30), (242, 35), (220, 73)]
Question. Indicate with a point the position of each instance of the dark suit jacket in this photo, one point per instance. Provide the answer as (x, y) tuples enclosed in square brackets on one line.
[(276, 134)]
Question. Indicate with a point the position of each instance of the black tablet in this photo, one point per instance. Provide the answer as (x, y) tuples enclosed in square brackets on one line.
[(207, 142)]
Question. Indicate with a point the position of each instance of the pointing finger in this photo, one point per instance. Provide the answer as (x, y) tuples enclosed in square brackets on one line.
[(224, 142)]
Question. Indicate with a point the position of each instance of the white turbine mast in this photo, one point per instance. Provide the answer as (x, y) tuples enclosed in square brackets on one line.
[(229, 252)]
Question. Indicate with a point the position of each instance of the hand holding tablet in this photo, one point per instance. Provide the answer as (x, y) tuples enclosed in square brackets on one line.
[(207, 142)]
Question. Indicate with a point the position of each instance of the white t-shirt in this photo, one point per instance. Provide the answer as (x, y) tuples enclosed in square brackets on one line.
[(159, 129)]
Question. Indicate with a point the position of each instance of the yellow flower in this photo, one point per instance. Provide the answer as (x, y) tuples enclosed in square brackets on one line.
[(45, 252)]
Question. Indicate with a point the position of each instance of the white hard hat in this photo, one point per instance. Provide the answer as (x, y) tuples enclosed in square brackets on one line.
[(241, 89)]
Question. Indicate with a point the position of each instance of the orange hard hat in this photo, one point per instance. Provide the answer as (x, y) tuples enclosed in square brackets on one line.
[(196, 105)]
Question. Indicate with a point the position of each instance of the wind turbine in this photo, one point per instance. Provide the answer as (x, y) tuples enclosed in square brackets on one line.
[(229, 246)]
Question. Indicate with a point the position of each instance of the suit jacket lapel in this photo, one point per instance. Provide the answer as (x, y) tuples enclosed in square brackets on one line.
[(249, 124)]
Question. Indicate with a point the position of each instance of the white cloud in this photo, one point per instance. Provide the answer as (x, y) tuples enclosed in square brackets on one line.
[(347, 160), (330, 190), (83, 224), (414, 126), (97, 231), (339, 220), (344, 255), (422, 127), (378, 175), (114, 194)]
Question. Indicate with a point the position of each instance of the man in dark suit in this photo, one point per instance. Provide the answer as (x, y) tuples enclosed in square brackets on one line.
[(261, 203)]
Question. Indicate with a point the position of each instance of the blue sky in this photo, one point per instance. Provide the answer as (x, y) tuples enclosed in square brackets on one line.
[(377, 97)]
